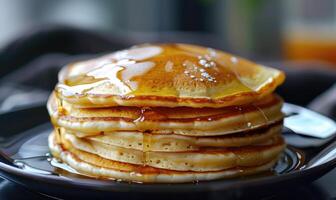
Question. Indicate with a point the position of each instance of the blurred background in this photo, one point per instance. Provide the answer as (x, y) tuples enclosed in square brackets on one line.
[(288, 29), (39, 36)]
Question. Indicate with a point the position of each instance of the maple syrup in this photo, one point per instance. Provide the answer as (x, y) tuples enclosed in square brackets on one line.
[(165, 70)]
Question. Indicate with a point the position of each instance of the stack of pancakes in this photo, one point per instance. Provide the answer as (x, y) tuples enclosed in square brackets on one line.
[(167, 113)]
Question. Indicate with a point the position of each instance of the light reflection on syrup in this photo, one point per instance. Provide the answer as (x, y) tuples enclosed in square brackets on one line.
[(32, 164), (262, 113), (160, 69)]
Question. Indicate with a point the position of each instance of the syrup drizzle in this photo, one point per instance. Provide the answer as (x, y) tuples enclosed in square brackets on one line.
[(262, 113), (145, 112), (160, 69)]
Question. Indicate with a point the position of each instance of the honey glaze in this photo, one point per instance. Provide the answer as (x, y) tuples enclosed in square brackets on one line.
[(170, 70)]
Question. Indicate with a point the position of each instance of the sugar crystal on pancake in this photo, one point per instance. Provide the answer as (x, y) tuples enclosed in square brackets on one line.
[(169, 113), (197, 77)]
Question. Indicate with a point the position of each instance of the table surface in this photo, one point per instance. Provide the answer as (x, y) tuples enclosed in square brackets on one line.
[(323, 188)]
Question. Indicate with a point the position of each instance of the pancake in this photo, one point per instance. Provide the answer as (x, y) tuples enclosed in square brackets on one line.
[(166, 75), (205, 159), (182, 121), (167, 113), (95, 166), (176, 143)]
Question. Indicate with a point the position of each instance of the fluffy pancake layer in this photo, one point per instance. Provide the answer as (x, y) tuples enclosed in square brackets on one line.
[(205, 159), (178, 143), (166, 75), (98, 167), (181, 121)]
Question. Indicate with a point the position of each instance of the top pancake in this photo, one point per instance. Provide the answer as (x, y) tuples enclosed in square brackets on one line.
[(168, 75)]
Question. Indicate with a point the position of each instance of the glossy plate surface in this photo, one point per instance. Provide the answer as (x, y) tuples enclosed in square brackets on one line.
[(24, 159)]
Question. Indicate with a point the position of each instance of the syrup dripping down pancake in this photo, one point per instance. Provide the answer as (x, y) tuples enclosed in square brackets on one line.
[(166, 75)]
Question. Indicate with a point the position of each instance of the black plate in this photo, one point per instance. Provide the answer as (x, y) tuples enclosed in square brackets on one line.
[(23, 160)]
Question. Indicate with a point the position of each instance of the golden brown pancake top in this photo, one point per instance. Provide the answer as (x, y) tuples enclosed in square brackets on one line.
[(167, 75)]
